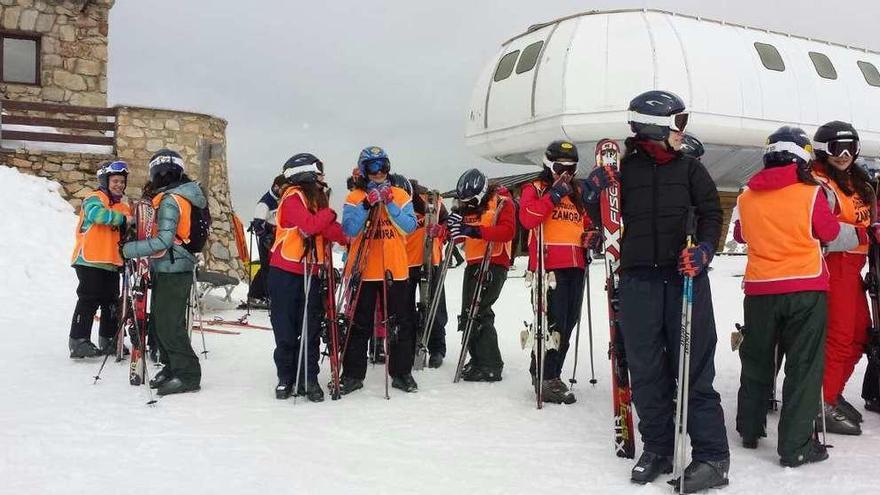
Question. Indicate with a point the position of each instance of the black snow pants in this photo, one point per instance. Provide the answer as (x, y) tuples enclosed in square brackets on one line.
[(563, 304), (97, 288), (650, 321), (287, 296)]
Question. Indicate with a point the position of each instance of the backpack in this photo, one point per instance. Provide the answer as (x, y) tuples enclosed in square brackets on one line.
[(200, 227)]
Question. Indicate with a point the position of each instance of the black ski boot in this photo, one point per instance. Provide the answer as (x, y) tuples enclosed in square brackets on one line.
[(837, 422), (470, 372), (161, 377), (406, 383), (556, 392), (702, 475), (872, 405), (82, 348), (849, 410), (108, 346), (348, 385), (314, 392), (816, 453), (649, 466), (750, 443), (283, 390), (177, 386), (436, 360)]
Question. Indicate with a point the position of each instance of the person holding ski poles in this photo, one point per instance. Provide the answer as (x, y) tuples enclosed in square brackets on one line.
[(785, 217), (305, 224), (486, 215), (378, 216), (171, 271), (103, 216), (658, 186), (416, 244), (836, 146), (554, 202), (263, 227)]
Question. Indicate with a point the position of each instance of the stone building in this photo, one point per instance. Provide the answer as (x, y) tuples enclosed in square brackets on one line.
[(55, 122)]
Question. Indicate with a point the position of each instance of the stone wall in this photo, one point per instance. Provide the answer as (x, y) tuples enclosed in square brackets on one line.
[(200, 139), (73, 58)]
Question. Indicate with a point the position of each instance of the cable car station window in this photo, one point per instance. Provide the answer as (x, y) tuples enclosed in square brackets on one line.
[(869, 70), (529, 57), (505, 66), (770, 56), (823, 65), (19, 58)]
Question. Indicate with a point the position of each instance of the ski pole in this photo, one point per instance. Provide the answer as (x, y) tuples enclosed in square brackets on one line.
[(577, 334), (302, 358), (684, 363), (196, 312), (248, 268), (121, 329)]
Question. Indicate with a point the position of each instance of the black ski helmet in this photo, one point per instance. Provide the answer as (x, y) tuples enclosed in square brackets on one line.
[(561, 151), (836, 138), (109, 169), (402, 182), (166, 167), (788, 145), (692, 146), (653, 113), (472, 185), (302, 168)]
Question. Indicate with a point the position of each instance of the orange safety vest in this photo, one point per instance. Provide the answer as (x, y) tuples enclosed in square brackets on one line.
[(99, 243), (415, 242), (387, 248), (183, 226), (565, 225), (853, 210), (778, 227), (291, 240), (475, 248)]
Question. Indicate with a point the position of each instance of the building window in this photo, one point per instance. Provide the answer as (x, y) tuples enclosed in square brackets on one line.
[(505, 66), (770, 56), (19, 58), (529, 57), (823, 65), (869, 70)]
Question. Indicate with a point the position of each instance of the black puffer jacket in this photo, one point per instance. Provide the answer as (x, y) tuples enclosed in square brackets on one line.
[(655, 199)]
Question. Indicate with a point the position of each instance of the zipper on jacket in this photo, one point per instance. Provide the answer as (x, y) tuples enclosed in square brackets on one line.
[(654, 191)]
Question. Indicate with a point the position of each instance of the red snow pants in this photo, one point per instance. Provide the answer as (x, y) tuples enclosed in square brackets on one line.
[(848, 321)]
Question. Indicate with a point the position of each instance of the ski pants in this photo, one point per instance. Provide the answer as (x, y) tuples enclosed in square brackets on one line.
[(437, 340), (288, 301), (871, 382), (400, 330), (848, 322), (259, 288), (563, 305), (168, 308), (483, 341), (796, 323), (97, 288), (650, 321)]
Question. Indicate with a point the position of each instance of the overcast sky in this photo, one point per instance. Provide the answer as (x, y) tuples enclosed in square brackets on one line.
[(332, 77)]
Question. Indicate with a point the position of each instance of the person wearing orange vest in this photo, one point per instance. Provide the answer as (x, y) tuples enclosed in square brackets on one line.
[(486, 215), (555, 201), (415, 252), (96, 259), (837, 146), (785, 218), (171, 271), (305, 225), (379, 215)]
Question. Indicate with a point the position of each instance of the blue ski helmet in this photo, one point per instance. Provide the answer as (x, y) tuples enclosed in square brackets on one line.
[(373, 159)]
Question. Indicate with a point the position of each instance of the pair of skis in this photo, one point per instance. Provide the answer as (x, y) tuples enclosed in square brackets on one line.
[(428, 292)]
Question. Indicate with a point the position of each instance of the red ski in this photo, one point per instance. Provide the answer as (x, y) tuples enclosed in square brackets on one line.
[(608, 154), (241, 322), (138, 273), (330, 322), (214, 330)]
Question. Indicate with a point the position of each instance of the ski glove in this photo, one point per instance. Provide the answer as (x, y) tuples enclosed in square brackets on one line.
[(592, 239), (385, 194), (458, 230), (436, 230), (258, 227), (373, 198), (599, 180), (560, 189), (693, 260)]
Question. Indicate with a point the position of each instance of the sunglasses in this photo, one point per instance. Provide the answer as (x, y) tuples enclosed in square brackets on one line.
[(843, 147), (374, 167)]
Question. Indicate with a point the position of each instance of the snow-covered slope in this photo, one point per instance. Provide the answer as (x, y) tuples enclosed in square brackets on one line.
[(61, 434)]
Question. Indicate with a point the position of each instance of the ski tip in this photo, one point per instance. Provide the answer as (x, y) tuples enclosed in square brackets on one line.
[(152, 402), (593, 381)]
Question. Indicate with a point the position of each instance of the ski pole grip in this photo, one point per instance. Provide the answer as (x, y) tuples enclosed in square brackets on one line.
[(690, 225)]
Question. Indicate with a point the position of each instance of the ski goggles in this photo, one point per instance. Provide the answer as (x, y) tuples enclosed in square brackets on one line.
[(559, 168), (841, 147), (676, 122), (117, 167), (379, 165)]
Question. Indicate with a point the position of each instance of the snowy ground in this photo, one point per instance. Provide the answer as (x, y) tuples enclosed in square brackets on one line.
[(61, 434)]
